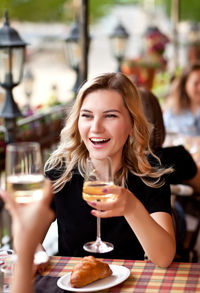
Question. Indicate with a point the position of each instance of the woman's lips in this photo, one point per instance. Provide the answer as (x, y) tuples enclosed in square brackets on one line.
[(99, 141)]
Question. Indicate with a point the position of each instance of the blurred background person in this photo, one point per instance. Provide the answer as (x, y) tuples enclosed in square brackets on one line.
[(186, 170), (182, 114)]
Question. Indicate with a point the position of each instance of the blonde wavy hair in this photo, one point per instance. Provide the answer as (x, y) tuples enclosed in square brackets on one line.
[(72, 152)]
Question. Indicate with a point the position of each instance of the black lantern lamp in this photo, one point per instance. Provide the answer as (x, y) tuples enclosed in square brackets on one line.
[(119, 38), (12, 55), (73, 51)]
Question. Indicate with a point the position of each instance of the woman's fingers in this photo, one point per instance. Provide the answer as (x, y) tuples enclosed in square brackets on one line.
[(113, 207), (102, 205), (105, 214), (112, 189), (115, 190), (9, 202)]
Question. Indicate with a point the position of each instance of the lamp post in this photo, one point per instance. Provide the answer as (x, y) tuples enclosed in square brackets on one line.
[(84, 40), (73, 52), (119, 38), (12, 55)]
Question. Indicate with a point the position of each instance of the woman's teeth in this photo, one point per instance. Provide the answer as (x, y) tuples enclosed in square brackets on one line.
[(98, 140)]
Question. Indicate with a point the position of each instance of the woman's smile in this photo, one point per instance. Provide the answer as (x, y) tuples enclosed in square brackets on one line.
[(99, 142)]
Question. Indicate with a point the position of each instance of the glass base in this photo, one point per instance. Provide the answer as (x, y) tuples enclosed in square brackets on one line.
[(98, 247)]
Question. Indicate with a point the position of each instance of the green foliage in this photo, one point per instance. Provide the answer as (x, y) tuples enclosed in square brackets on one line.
[(189, 10), (98, 8), (64, 10), (52, 10), (33, 10)]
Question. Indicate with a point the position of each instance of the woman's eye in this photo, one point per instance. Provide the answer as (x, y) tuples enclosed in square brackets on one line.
[(111, 116), (86, 115)]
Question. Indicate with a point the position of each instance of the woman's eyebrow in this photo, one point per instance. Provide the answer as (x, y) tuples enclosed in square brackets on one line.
[(85, 110), (111, 110), (106, 111)]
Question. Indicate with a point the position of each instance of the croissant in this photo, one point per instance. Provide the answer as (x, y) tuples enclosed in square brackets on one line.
[(89, 270)]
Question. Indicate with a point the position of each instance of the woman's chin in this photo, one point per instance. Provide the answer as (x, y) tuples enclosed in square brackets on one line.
[(98, 156)]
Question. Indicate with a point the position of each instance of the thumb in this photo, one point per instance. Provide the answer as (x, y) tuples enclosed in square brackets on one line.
[(10, 203)]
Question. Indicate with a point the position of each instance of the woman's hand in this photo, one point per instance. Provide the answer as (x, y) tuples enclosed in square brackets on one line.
[(29, 221), (123, 202)]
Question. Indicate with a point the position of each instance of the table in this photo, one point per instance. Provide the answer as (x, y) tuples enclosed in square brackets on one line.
[(145, 277)]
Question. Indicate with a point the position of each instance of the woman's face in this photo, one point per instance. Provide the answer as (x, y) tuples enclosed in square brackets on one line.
[(192, 87), (104, 125)]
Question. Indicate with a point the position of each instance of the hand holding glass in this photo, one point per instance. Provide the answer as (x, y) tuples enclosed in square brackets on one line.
[(98, 176), (24, 172)]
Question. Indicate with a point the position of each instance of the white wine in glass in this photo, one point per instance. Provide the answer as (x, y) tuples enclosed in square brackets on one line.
[(24, 172), (98, 176)]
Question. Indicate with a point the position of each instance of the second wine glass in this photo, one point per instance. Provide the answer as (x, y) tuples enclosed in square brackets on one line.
[(24, 172), (98, 175)]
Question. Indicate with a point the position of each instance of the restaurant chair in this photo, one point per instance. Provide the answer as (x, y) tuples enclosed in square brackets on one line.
[(185, 239)]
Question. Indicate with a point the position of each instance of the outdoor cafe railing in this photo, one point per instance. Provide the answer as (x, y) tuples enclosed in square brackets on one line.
[(42, 127)]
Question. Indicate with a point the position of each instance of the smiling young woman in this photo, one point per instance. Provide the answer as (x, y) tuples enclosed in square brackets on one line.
[(107, 120)]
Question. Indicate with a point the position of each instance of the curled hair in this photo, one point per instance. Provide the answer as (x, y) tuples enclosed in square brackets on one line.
[(179, 97), (71, 151)]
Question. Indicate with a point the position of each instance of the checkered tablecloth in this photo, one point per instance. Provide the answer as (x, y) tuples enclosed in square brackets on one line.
[(145, 277)]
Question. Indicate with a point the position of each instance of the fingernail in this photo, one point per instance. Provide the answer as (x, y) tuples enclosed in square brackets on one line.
[(93, 212), (93, 203), (104, 189)]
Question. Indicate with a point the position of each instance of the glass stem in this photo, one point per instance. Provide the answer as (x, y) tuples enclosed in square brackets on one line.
[(98, 230)]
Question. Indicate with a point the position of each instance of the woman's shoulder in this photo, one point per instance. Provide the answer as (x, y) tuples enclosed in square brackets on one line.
[(155, 199)]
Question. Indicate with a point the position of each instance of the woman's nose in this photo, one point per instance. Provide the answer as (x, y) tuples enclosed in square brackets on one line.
[(97, 125)]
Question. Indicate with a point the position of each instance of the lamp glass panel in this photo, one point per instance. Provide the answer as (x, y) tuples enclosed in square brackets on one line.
[(11, 65), (4, 65), (118, 47), (73, 53), (17, 64)]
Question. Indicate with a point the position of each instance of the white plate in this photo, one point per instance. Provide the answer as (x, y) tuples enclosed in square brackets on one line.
[(119, 274)]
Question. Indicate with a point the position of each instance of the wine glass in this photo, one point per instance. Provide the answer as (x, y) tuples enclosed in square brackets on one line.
[(24, 172), (7, 261), (98, 175)]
